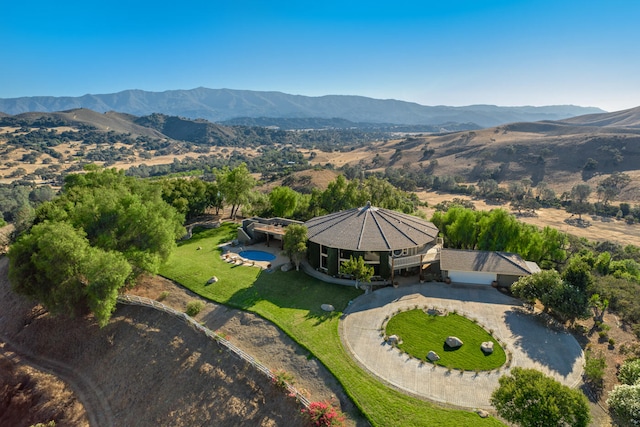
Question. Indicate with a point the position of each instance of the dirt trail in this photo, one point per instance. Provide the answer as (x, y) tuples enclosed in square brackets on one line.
[(95, 404)]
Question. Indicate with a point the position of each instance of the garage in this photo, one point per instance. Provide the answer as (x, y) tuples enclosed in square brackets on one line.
[(484, 267), (475, 277)]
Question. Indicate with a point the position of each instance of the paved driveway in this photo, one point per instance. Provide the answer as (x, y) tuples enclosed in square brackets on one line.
[(531, 344)]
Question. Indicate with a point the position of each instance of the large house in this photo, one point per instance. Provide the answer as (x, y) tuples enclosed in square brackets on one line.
[(392, 243), (389, 241)]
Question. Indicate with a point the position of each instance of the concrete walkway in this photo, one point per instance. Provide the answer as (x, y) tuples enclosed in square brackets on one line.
[(530, 342)]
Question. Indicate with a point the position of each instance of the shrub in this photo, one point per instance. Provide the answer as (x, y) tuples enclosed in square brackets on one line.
[(194, 307), (282, 378), (594, 368), (624, 401), (163, 296), (524, 398), (324, 414), (630, 372)]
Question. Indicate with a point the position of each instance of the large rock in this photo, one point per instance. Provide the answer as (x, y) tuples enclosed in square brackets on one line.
[(394, 340), (214, 279), (453, 342), (487, 347), (433, 356), (327, 307), (482, 413)]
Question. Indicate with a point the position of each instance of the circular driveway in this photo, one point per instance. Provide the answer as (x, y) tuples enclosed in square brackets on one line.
[(530, 342)]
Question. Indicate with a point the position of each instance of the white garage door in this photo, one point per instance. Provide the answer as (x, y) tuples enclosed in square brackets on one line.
[(472, 277)]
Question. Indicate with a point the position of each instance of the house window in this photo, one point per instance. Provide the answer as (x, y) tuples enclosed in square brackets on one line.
[(324, 258)]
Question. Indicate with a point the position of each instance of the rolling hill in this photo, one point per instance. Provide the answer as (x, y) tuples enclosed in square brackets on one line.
[(561, 153), (223, 104)]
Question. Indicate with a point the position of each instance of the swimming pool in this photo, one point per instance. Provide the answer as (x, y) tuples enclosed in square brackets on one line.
[(257, 255)]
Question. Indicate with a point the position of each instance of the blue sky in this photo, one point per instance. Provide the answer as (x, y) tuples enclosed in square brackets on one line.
[(433, 53)]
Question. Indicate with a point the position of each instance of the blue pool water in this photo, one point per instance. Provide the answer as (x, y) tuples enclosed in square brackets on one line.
[(257, 255)]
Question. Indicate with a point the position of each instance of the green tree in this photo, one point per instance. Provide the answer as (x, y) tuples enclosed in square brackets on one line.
[(497, 231), (284, 201), (462, 229), (579, 204), (55, 265), (235, 185), (599, 306), (295, 243), (547, 286), (536, 286), (610, 187), (339, 195), (531, 399), (190, 197), (578, 274), (360, 270)]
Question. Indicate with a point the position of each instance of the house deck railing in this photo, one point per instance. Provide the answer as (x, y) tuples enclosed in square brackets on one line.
[(415, 260)]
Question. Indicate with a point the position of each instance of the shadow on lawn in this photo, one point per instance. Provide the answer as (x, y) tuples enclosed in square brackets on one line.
[(558, 351), (222, 234), (295, 290)]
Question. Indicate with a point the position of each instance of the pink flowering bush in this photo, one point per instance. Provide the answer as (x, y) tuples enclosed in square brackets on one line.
[(324, 414)]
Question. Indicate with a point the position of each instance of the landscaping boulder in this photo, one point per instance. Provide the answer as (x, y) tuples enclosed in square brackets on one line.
[(327, 307), (482, 413), (286, 267), (394, 340), (433, 356), (487, 347), (453, 342), (214, 279)]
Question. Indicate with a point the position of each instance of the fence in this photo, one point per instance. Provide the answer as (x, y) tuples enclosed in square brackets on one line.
[(147, 302)]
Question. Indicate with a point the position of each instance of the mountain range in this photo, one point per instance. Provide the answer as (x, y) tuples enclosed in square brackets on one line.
[(217, 105)]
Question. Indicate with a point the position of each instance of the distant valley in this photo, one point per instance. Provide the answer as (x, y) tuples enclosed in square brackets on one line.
[(41, 146)]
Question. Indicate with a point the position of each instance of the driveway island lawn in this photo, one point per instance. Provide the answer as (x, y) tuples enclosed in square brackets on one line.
[(292, 302), (422, 332)]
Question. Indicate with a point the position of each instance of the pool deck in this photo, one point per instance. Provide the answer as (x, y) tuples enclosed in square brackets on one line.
[(230, 253)]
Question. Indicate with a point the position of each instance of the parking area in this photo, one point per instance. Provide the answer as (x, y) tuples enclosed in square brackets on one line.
[(529, 341)]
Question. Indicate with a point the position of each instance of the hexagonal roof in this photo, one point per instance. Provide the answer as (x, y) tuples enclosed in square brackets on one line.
[(370, 229)]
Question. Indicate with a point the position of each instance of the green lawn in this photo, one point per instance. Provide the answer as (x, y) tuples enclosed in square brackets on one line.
[(292, 301), (421, 333)]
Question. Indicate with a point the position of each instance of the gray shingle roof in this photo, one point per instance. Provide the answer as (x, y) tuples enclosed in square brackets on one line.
[(370, 229), (483, 261)]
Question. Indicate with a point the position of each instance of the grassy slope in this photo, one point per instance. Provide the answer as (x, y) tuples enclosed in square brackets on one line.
[(422, 333), (292, 301)]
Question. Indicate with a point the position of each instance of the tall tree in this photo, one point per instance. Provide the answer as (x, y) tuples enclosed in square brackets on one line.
[(295, 243), (235, 185), (462, 230), (610, 187), (497, 230), (55, 265), (283, 201), (579, 200)]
